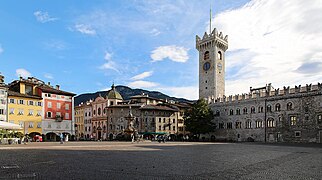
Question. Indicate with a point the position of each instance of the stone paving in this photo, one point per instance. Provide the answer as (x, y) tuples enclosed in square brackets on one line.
[(151, 160)]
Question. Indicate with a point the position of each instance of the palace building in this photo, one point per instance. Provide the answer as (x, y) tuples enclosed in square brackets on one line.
[(264, 114)]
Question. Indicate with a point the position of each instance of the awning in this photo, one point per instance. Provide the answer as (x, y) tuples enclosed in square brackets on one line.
[(7, 125)]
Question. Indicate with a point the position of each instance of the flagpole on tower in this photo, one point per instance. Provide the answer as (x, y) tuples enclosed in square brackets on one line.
[(210, 20)]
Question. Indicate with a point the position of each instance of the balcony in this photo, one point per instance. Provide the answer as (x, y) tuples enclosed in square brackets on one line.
[(59, 118)]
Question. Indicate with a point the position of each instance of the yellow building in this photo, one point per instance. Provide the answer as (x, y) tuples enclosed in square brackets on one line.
[(25, 107), (79, 121)]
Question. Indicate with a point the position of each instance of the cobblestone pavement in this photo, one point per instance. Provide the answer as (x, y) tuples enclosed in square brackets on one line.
[(151, 160)]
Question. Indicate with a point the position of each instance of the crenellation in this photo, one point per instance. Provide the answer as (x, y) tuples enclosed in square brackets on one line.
[(275, 93), (315, 88), (292, 91), (226, 38)]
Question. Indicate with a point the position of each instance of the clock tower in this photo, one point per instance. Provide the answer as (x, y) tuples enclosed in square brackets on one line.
[(212, 48)]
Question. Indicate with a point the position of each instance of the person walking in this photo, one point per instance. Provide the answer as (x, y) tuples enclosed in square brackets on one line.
[(61, 138)]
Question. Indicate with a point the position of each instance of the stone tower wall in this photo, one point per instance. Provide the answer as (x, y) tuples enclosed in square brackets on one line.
[(212, 81)]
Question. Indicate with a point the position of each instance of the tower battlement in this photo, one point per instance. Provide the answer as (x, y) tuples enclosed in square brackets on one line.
[(211, 40), (286, 92)]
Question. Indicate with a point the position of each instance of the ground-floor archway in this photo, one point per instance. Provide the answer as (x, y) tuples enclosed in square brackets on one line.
[(51, 136)]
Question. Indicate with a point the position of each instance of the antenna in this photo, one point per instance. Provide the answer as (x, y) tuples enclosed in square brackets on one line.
[(210, 20)]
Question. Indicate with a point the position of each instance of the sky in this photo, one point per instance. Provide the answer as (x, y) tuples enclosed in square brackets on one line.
[(86, 46)]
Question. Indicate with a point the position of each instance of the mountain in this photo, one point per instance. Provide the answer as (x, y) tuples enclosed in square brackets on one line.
[(126, 93)]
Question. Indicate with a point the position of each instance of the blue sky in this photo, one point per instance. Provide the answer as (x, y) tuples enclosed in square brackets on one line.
[(85, 46)]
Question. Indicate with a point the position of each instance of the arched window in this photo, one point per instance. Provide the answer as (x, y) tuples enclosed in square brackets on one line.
[(259, 124), (277, 107), (217, 113), (245, 110), (94, 112), (206, 55), (270, 123), (238, 125), (237, 111), (99, 111), (219, 55), (231, 112), (221, 125), (252, 109), (248, 124), (229, 125), (260, 109), (289, 106), (269, 108)]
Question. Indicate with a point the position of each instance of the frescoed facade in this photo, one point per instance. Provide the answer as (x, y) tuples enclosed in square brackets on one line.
[(58, 111)]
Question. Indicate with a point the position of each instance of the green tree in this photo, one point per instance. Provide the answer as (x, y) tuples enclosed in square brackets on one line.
[(198, 119)]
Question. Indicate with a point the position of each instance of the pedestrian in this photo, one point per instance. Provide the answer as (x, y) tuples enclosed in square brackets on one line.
[(61, 138), (132, 137)]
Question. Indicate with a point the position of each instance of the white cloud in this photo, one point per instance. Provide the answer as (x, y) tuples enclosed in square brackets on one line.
[(155, 32), (110, 64), (142, 84), (142, 75), (174, 53), (23, 73), (85, 29), (54, 44), (108, 56), (269, 45), (1, 49), (43, 17), (48, 76)]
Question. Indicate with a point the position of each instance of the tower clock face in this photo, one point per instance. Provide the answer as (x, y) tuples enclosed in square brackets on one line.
[(206, 66)]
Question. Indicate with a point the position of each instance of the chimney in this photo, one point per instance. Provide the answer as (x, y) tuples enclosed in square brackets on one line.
[(48, 83), (57, 87)]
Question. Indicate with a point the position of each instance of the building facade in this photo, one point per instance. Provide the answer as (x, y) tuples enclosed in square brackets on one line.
[(271, 115), (79, 121), (264, 114), (58, 111), (88, 120), (100, 107), (52, 107), (3, 100), (25, 107), (105, 118)]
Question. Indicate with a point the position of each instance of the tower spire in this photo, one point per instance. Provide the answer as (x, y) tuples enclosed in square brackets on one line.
[(210, 20)]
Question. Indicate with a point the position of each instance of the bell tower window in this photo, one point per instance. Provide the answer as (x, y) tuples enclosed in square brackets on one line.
[(219, 55), (206, 55)]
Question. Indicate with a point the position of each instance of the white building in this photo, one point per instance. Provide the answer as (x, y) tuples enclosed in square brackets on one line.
[(3, 99)]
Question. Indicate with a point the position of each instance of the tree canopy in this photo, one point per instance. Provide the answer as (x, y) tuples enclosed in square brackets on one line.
[(198, 119)]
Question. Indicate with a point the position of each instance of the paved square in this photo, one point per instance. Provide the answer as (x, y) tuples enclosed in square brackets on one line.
[(184, 160)]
